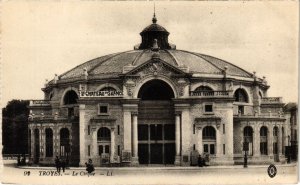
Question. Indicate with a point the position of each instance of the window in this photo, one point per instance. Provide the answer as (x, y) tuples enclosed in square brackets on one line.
[(263, 140), (64, 142), (209, 133), (194, 147), (241, 110), (240, 95), (223, 128), (103, 134), (205, 148), (100, 149), (208, 108), (89, 130), (194, 128), (89, 150), (49, 142), (203, 88), (119, 151), (103, 109), (223, 149), (118, 129), (248, 137), (70, 112), (106, 149), (70, 98)]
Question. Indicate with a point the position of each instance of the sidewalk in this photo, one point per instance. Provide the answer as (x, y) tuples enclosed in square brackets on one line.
[(160, 167)]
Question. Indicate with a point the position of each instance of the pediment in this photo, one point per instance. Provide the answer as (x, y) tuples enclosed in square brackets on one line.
[(154, 66)]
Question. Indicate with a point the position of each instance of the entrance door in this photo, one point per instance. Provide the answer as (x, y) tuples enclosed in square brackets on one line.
[(156, 124), (156, 144)]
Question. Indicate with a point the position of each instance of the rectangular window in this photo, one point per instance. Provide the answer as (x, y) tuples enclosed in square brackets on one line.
[(89, 129), (89, 150), (119, 151), (223, 128), (103, 109), (224, 149), (100, 149), (206, 148), (212, 149), (194, 129), (241, 110), (194, 147), (118, 129), (107, 149), (208, 108), (263, 148)]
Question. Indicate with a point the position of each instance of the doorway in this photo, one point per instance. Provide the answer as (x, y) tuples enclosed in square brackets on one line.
[(156, 124)]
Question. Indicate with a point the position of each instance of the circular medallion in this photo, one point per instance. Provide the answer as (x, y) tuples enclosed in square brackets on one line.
[(272, 170)]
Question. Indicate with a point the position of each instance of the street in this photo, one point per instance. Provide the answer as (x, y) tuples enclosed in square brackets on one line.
[(150, 175)]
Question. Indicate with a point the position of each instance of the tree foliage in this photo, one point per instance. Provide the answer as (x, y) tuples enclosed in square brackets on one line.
[(15, 127)]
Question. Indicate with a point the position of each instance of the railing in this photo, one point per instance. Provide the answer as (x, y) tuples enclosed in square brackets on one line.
[(210, 93), (39, 103), (271, 100)]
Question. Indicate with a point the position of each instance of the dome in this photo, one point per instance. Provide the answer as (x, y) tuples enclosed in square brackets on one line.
[(154, 27), (154, 44), (110, 66)]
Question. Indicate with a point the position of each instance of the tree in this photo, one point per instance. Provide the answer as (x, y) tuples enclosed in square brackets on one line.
[(15, 127)]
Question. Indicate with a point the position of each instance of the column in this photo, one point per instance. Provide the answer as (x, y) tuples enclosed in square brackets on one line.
[(270, 141), (127, 130), (82, 146), (32, 145), (95, 143), (41, 143), (112, 144), (177, 138), (199, 138), (256, 142), (134, 138), (279, 141)]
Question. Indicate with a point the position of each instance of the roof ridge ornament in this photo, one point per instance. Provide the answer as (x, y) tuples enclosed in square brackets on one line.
[(154, 20), (155, 45)]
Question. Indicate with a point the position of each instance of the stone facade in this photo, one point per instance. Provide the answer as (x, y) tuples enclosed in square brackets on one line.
[(157, 106)]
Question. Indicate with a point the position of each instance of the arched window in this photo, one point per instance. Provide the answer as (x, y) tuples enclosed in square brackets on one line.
[(64, 142), (248, 137), (70, 97), (203, 88), (103, 134), (209, 133), (240, 95), (109, 89), (263, 140), (209, 140), (49, 142), (275, 140)]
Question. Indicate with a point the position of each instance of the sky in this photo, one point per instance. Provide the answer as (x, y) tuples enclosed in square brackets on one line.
[(43, 38)]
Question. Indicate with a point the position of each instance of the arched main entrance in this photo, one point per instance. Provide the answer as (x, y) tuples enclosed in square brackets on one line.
[(156, 125)]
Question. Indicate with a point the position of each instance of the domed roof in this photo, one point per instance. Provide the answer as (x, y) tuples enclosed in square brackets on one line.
[(109, 66), (154, 27)]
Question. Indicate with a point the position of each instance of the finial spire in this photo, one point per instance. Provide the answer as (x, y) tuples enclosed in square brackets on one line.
[(154, 20)]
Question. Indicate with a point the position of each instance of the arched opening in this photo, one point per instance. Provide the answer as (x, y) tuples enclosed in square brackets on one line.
[(70, 99), (264, 140), (36, 145), (275, 143), (156, 90), (108, 89), (209, 140), (203, 88), (156, 124), (240, 95), (104, 139), (248, 137), (64, 142), (49, 142)]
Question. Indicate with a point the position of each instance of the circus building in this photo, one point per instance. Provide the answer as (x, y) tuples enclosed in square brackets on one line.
[(157, 105)]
